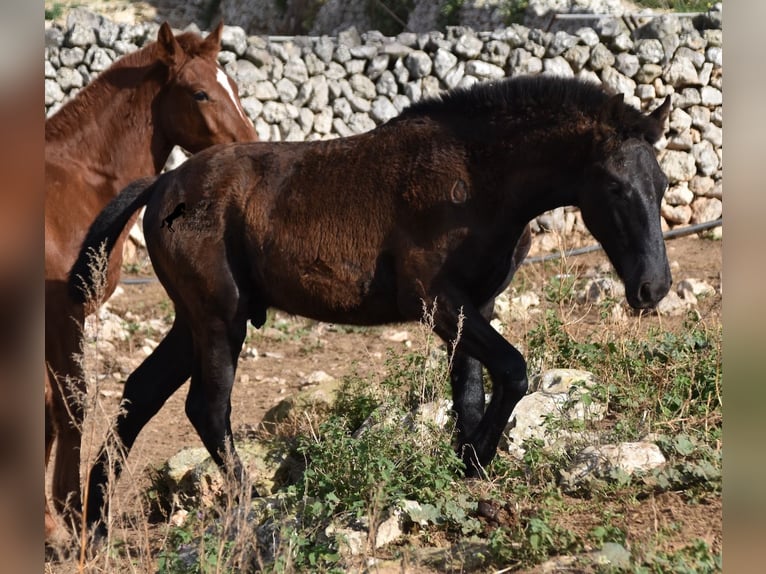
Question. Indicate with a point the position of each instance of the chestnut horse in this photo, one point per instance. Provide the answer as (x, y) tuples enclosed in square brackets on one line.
[(432, 206), (122, 126)]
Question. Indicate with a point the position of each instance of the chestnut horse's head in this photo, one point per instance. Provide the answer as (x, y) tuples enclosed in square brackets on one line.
[(620, 202), (199, 105)]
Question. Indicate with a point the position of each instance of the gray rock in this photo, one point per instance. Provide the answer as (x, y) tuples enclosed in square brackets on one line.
[(706, 209), (468, 46), (68, 78), (557, 66), (443, 62), (382, 110), (286, 90), (355, 66), (323, 121), (342, 109), (386, 84), (71, 57), (619, 83), (679, 194), (295, 70), (264, 91), (680, 121), (413, 91), (706, 158), (107, 33), (577, 56), (274, 112), (650, 51), (360, 123), (560, 43), (681, 73), (648, 72), (50, 70), (53, 92), (696, 287), (453, 77), (252, 106), (678, 166), (601, 57), (430, 87), (320, 96), (362, 86), (496, 52), (627, 64), (81, 27), (588, 36), (676, 215), (418, 64), (377, 65), (622, 42), (711, 96), (597, 290), (687, 97), (234, 38), (600, 461), (485, 70)]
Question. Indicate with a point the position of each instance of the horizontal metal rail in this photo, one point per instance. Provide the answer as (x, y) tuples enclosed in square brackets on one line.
[(670, 234)]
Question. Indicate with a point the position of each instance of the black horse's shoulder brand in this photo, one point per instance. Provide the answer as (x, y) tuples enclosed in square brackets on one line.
[(370, 234)]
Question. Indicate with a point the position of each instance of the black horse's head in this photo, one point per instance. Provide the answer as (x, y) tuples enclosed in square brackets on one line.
[(620, 201)]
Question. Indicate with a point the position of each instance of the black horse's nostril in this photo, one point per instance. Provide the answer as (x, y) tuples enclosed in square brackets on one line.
[(645, 293)]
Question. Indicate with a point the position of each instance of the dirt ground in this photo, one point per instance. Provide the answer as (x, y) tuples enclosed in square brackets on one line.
[(284, 357)]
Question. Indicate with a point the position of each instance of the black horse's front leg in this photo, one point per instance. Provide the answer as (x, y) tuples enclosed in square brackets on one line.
[(507, 369), (467, 379)]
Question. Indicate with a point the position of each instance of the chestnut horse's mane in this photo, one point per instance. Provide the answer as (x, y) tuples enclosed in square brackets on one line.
[(129, 70)]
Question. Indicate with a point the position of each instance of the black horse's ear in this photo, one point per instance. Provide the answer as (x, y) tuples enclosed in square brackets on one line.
[(611, 112), (657, 121), (169, 48), (212, 43)]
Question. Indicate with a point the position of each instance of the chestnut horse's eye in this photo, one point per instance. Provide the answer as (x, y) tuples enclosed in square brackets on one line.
[(201, 96)]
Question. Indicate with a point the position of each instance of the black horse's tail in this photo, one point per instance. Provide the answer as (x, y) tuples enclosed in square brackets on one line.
[(105, 230)]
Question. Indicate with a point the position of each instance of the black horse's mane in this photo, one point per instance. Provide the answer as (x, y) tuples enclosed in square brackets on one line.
[(550, 96)]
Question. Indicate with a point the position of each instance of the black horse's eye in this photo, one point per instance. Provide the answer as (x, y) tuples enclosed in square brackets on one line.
[(613, 186), (200, 96)]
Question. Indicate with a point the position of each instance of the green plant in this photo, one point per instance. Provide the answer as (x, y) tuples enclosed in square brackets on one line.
[(677, 5), (514, 11), (449, 13), (55, 11), (389, 16)]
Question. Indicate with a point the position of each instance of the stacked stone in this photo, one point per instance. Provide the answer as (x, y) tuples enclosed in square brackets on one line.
[(308, 88)]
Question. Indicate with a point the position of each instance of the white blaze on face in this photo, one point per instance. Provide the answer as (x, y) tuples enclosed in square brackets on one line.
[(223, 79)]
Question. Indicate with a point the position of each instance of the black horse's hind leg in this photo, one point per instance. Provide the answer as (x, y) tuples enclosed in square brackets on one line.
[(468, 386), (208, 404), (506, 367), (146, 390)]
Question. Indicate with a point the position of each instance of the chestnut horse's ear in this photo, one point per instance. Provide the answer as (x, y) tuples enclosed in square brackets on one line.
[(169, 48), (657, 121), (212, 44)]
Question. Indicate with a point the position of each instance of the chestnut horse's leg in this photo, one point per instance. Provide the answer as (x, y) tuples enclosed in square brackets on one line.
[(146, 390), (63, 326), (468, 386), (217, 346), (506, 367)]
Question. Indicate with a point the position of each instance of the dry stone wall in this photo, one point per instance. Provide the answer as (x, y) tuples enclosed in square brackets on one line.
[(308, 88)]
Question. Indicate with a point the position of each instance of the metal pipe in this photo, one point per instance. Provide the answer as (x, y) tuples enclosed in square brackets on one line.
[(670, 234)]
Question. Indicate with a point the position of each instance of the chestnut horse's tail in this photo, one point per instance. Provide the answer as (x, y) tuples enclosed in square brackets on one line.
[(105, 230)]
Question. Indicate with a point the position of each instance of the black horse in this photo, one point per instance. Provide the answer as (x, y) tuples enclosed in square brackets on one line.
[(434, 205)]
